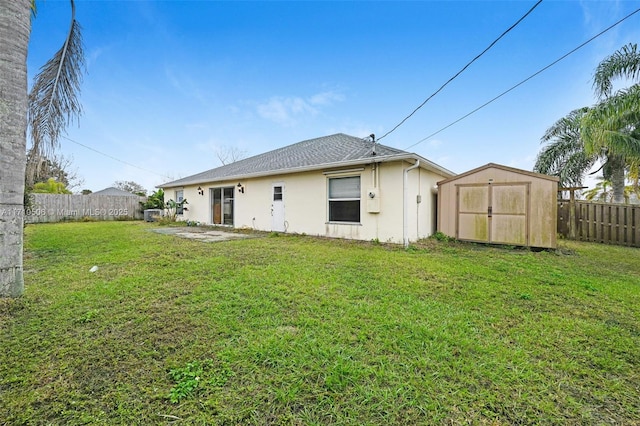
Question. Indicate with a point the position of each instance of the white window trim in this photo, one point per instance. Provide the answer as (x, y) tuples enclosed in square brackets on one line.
[(329, 200)]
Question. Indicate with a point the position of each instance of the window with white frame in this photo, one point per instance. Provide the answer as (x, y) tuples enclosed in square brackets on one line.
[(277, 193), (344, 199)]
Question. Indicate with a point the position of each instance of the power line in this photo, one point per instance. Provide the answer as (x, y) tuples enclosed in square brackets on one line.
[(462, 70), (526, 79), (116, 159)]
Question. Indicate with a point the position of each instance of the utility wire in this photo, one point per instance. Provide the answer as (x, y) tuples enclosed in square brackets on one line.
[(526, 79), (116, 159), (462, 70)]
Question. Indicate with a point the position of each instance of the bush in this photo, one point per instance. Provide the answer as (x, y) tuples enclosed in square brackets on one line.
[(154, 201), (439, 236)]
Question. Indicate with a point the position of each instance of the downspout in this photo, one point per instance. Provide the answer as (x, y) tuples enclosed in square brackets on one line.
[(405, 206)]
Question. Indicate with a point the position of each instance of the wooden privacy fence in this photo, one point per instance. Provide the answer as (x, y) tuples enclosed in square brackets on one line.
[(60, 207), (600, 222)]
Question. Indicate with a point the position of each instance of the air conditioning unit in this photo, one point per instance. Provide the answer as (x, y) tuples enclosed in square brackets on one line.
[(151, 215)]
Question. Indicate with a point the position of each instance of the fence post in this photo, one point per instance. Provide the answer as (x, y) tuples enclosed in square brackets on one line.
[(572, 210)]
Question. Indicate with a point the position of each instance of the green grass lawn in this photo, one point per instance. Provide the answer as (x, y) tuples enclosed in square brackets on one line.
[(302, 331)]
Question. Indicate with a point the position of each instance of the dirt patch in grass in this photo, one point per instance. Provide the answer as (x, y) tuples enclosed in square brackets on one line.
[(207, 235)]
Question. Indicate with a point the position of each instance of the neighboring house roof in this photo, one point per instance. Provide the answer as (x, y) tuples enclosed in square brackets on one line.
[(337, 150), (113, 191)]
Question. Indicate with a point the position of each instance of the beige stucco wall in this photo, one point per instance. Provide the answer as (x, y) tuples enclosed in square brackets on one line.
[(542, 215), (306, 204)]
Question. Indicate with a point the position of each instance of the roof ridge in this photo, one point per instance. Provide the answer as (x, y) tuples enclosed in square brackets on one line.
[(330, 149)]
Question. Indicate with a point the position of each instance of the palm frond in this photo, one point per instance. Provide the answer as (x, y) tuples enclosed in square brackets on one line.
[(625, 62), (566, 160), (564, 155), (53, 101), (614, 124), (566, 128)]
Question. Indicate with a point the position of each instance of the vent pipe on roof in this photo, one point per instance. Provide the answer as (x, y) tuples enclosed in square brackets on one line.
[(373, 139)]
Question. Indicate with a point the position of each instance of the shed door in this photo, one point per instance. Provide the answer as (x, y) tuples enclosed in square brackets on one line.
[(473, 204), (509, 204), (493, 213)]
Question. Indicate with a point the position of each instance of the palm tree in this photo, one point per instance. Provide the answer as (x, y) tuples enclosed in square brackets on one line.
[(613, 125), (51, 105), (15, 29), (609, 132)]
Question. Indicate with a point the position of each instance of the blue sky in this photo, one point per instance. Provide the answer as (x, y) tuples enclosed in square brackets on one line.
[(169, 83)]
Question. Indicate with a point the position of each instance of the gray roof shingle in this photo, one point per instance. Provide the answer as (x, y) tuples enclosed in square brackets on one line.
[(326, 150), (114, 191)]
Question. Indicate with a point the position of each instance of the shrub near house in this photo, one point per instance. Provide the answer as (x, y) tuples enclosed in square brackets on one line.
[(154, 206)]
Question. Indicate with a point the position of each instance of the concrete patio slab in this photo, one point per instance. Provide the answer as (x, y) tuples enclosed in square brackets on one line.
[(202, 234)]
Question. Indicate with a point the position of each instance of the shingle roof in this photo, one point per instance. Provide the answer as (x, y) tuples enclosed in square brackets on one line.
[(114, 191), (327, 150)]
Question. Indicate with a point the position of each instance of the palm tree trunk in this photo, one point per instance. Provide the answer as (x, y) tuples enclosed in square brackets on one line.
[(617, 179), (15, 29)]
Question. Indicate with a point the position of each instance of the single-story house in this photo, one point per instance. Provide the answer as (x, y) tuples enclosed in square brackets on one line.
[(336, 186)]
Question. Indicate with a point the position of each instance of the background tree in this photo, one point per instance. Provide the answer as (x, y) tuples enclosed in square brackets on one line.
[(58, 167), (51, 186), (130, 186), (603, 192), (50, 106), (228, 155), (154, 201)]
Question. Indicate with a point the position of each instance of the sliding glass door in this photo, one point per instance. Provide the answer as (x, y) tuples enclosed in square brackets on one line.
[(222, 206)]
